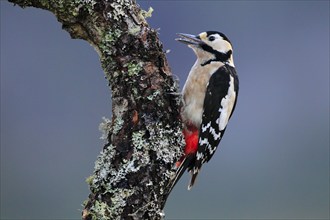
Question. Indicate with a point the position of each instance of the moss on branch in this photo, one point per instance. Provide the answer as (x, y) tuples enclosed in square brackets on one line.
[(143, 138)]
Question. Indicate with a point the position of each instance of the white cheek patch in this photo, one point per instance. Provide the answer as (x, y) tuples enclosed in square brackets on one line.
[(222, 46), (227, 104)]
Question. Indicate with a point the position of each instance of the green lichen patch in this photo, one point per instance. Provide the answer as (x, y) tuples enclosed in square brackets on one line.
[(118, 124), (139, 142), (86, 4), (108, 41), (100, 211), (133, 68), (105, 127), (120, 106), (133, 29), (103, 166), (154, 95), (45, 3), (89, 180), (147, 14), (120, 8), (119, 200), (118, 12), (162, 138)]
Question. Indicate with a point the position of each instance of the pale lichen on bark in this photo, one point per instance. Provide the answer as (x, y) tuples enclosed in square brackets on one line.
[(143, 139)]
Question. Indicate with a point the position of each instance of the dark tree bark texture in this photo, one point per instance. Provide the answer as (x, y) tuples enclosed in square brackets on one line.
[(144, 139)]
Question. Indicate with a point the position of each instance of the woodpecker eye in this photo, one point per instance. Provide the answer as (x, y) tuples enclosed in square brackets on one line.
[(211, 38)]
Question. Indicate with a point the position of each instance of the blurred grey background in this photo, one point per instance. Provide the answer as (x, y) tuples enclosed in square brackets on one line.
[(273, 161)]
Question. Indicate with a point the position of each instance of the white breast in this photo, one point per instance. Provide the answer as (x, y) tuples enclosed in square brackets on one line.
[(194, 92)]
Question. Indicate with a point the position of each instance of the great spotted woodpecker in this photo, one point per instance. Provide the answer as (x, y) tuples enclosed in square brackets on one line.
[(208, 99)]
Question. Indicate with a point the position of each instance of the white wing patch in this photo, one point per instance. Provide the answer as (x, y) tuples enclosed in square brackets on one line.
[(203, 141), (212, 149), (214, 133), (204, 128), (199, 155), (227, 104)]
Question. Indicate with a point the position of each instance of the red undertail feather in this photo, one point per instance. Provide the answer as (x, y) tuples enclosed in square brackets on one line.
[(191, 139)]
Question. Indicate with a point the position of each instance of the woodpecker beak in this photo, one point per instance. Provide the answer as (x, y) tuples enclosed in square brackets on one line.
[(190, 40)]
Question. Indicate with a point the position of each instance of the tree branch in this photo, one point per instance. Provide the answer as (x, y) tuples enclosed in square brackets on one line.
[(144, 139)]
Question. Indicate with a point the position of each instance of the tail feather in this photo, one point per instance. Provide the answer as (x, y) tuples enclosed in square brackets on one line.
[(194, 172), (186, 163)]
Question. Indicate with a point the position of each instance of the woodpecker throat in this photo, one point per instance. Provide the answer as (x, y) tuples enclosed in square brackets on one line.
[(219, 57)]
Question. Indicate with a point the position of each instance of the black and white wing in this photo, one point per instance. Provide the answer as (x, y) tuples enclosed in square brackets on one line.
[(219, 104)]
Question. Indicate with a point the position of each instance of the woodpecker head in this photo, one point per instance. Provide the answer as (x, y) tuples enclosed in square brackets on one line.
[(210, 46)]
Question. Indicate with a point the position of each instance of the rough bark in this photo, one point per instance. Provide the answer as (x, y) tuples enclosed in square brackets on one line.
[(132, 173)]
